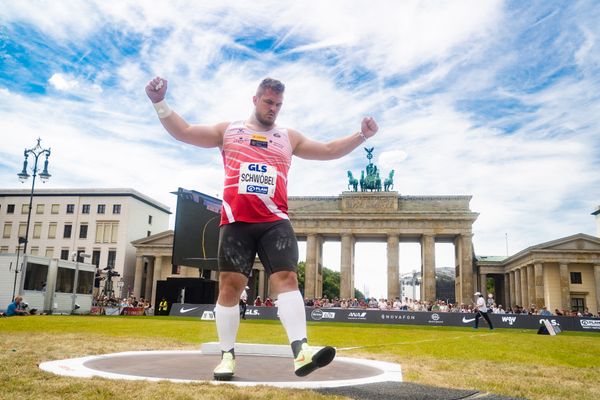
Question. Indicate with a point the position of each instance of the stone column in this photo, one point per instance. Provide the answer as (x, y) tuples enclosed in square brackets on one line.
[(524, 288), (346, 267), (565, 290), (156, 276), (483, 285), (149, 275), (506, 299), (597, 287), (261, 284), (530, 285), (513, 295), (310, 270), (538, 272), (393, 262), (319, 258), (139, 275), (518, 298), (428, 268), (466, 267)]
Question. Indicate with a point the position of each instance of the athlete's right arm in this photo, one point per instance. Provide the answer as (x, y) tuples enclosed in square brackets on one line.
[(198, 135)]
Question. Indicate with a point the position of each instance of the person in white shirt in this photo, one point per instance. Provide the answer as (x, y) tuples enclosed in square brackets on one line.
[(482, 311), (244, 302)]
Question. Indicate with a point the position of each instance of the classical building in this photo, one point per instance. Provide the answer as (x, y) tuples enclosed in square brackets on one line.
[(561, 274), (98, 222)]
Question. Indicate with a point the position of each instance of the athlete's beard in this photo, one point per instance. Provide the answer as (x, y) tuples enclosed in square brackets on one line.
[(264, 122)]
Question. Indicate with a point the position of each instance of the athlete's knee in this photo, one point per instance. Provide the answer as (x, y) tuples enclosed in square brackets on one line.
[(284, 281)]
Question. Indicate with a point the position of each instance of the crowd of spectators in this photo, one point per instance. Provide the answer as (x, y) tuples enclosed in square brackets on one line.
[(408, 304), (101, 300)]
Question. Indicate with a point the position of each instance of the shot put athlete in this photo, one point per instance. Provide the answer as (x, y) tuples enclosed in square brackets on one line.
[(257, 155)]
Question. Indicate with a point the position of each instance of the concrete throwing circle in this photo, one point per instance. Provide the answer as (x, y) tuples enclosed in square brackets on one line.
[(251, 369)]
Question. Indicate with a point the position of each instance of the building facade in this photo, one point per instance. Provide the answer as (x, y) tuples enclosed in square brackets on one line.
[(98, 222), (562, 274)]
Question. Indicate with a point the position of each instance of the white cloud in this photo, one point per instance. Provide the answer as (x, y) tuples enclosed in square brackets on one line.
[(62, 82), (536, 183)]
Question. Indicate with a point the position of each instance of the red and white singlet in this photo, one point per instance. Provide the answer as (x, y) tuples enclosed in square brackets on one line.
[(256, 167)]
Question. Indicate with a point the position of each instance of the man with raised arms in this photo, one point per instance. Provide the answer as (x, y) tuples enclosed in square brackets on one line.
[(257, 156)]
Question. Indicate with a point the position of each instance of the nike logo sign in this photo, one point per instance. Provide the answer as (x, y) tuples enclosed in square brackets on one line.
[(183, 310), (466, 321)]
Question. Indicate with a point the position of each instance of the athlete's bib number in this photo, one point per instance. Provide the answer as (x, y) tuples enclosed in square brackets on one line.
[(257, 178)]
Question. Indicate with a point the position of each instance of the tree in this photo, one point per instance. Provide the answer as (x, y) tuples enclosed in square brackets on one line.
[(331, 282)]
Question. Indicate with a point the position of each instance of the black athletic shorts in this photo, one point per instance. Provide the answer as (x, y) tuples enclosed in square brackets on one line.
[(275, 243)]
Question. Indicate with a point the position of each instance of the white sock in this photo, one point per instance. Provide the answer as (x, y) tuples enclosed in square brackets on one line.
[(228, 322), (292, 315)]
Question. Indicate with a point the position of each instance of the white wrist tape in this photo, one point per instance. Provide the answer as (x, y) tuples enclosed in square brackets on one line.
[(162, 109), (362, 136)]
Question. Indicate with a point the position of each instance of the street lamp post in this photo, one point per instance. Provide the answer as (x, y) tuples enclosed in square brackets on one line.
[(36, 152)]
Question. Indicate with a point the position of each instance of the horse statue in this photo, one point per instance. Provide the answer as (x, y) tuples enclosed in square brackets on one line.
[(352, 182), (363, 185), (388, 184)]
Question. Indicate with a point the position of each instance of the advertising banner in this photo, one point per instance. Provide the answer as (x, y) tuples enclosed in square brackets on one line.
[(517, 321)]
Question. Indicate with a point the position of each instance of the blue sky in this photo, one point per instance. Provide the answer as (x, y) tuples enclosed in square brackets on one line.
[(498, 100)]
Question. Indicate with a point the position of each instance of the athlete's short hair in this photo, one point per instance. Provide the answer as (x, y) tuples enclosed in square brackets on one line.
[(272, 84)]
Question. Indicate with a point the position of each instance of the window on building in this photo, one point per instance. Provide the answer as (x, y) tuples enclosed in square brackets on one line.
[(3, 249), (54, 209), (49, 252), (35, 276), (116, 209), (24, 208), (578, 304), (575, 277), (65, 280), (37, 230), (101, 208), (148, 233), (112, 256), (70, 208), (34, 250), (52, 230), (67, 231), (85, 209), (64, 254), (85, 282), (39, 209), (10, 209), (22, 229), (7, 230), (96, 258), (107, 232), (150, 219), (83, 229)]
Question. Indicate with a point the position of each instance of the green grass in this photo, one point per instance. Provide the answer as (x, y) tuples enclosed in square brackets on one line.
[(509, 362)]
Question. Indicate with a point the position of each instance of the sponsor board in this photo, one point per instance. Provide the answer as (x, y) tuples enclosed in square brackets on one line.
[(435, 318), (399, 316), (357, 315), (590, 323), (252, 312), (510, 320), (318, 314), (507, 321)]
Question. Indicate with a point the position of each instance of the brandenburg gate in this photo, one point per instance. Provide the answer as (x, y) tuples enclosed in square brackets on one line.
[(386, 216)]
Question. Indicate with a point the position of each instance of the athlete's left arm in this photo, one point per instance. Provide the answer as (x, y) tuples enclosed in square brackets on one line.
[(309, 149)]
